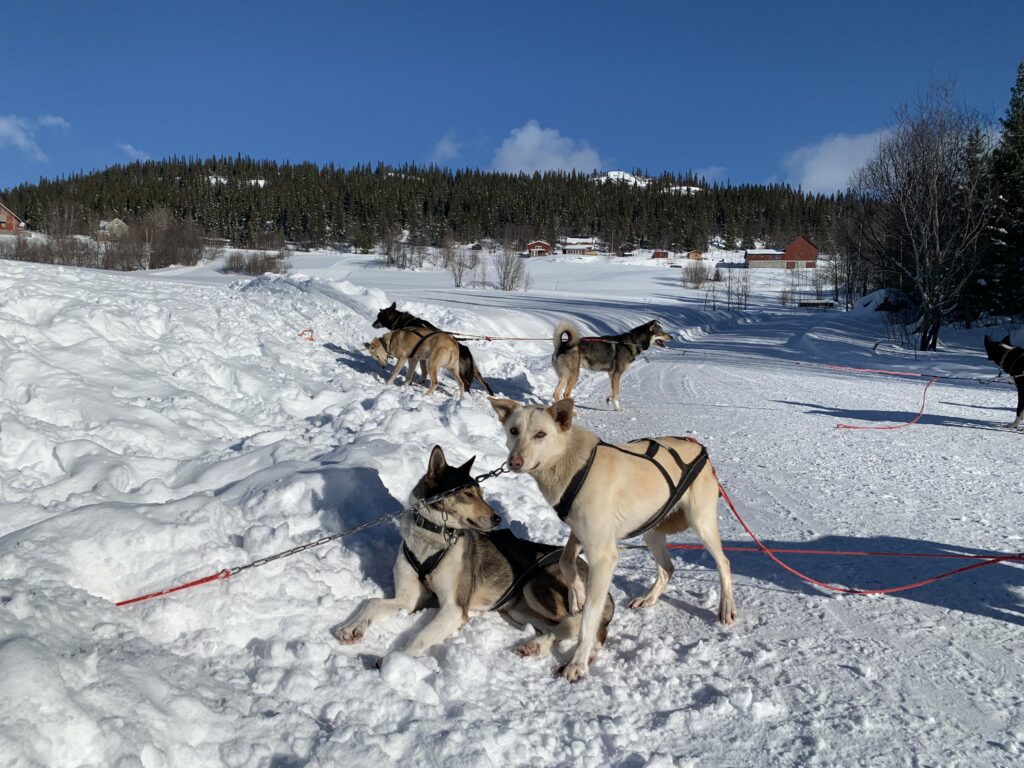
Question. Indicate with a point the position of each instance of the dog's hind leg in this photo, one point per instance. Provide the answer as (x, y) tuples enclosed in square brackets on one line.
[(655, 541), (423, 372), (704, 521), (1020, 403)]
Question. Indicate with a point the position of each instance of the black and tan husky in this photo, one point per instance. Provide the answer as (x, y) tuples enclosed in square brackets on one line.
[(450, 550), (395, 319), (612, 354), (1010, 360)]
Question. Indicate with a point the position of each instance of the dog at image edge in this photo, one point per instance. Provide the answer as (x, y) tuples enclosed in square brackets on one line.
[(1010, 360)]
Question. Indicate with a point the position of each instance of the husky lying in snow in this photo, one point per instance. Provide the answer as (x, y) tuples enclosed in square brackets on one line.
[(450, 550), (1010, 360), (395, 319), (613, 354), (655, 486), (435, 349)]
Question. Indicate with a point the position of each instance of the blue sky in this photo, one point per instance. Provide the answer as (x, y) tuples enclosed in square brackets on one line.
[(747, 91)]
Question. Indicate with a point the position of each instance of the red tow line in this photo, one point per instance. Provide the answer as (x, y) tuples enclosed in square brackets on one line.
[(985, 560)]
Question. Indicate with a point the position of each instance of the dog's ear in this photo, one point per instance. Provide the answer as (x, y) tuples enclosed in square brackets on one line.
[(465, 468), (394, 304), (561, 412), (1007, 341), (503, 407), (437, 464), (367, 344)]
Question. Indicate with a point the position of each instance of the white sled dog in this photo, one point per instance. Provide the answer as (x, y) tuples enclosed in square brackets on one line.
[(449, 550), (654, 486)]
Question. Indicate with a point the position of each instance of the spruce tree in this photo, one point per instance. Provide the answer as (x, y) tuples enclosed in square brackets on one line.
[(1007, 254)]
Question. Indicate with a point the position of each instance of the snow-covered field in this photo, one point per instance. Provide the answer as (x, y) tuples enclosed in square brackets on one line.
[(159, 427)]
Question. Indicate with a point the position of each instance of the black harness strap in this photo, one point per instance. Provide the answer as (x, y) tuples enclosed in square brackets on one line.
[(676, 490), (516, 587), (428, 566), (419, 343), (573, 489)]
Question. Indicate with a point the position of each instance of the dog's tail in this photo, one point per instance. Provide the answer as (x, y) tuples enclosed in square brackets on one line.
[(565, 337), (468, 370)]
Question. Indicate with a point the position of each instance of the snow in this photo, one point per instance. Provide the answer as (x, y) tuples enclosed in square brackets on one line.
[(157, 427), (625, 177)]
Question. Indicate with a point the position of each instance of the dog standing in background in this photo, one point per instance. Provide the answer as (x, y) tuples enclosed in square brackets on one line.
[(396, 320), (1010, 360), (612, 354), (435, 349)]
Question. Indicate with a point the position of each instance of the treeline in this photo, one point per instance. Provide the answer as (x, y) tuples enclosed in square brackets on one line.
[(246, 200)]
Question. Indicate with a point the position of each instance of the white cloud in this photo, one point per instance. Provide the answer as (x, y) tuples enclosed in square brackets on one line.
[(532, 148), (132, 152), (827, 166), (19, 133), (446, 149), (53, 121), (710, 172)]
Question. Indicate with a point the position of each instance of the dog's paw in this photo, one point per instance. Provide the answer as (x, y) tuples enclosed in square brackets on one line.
[(348, 635), (573, 672), (727, 612), (531, 648), (645, 601)]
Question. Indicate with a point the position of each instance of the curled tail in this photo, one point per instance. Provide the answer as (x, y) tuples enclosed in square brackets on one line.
[(565, 337)]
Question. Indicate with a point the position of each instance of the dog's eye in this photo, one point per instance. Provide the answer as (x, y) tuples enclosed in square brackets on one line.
[(539, 435), (514, 431)]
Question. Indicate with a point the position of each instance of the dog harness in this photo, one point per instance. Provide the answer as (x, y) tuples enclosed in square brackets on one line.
[(426, 567), (675, 490), (522, 572), (419, 343)]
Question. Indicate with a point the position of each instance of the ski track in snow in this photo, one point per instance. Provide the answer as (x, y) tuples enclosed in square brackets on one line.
[(156, 428)]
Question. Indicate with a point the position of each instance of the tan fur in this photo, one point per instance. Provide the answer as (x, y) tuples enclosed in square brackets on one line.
[(620, 495), (438, 351)]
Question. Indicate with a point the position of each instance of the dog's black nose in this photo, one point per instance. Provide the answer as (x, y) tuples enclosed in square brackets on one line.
[(495, 520)]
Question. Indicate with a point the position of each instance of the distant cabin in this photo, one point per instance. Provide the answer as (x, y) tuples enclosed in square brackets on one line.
[(538, 248), (582, 246), (10, 224), (626, 249), (799, 253), (694, 255), (659, 254), (114, 229)]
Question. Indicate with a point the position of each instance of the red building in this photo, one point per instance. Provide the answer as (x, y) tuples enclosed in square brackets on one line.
[(799, 253), (538, 248), (659, 255), (9, 223)]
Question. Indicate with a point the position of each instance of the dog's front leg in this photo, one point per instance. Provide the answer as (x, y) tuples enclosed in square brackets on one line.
[(603, 559), (445, 624), (573, 582), (399, 365), (409, 595), (1020, 404)]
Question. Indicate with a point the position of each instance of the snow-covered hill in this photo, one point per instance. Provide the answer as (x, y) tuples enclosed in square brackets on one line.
[(159, 427)]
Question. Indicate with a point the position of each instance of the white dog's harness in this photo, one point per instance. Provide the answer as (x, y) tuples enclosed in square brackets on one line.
[(675, 490)]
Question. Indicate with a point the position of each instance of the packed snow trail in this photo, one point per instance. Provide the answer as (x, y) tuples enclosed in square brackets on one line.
[(164, 426)]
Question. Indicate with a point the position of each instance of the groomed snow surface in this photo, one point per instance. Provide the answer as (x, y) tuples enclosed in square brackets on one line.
[(156, 428)]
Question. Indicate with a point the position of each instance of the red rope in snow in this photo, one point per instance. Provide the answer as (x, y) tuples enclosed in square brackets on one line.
[(846, 590), (843, 553), (920, 413), (466, 337), (225, 574)]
